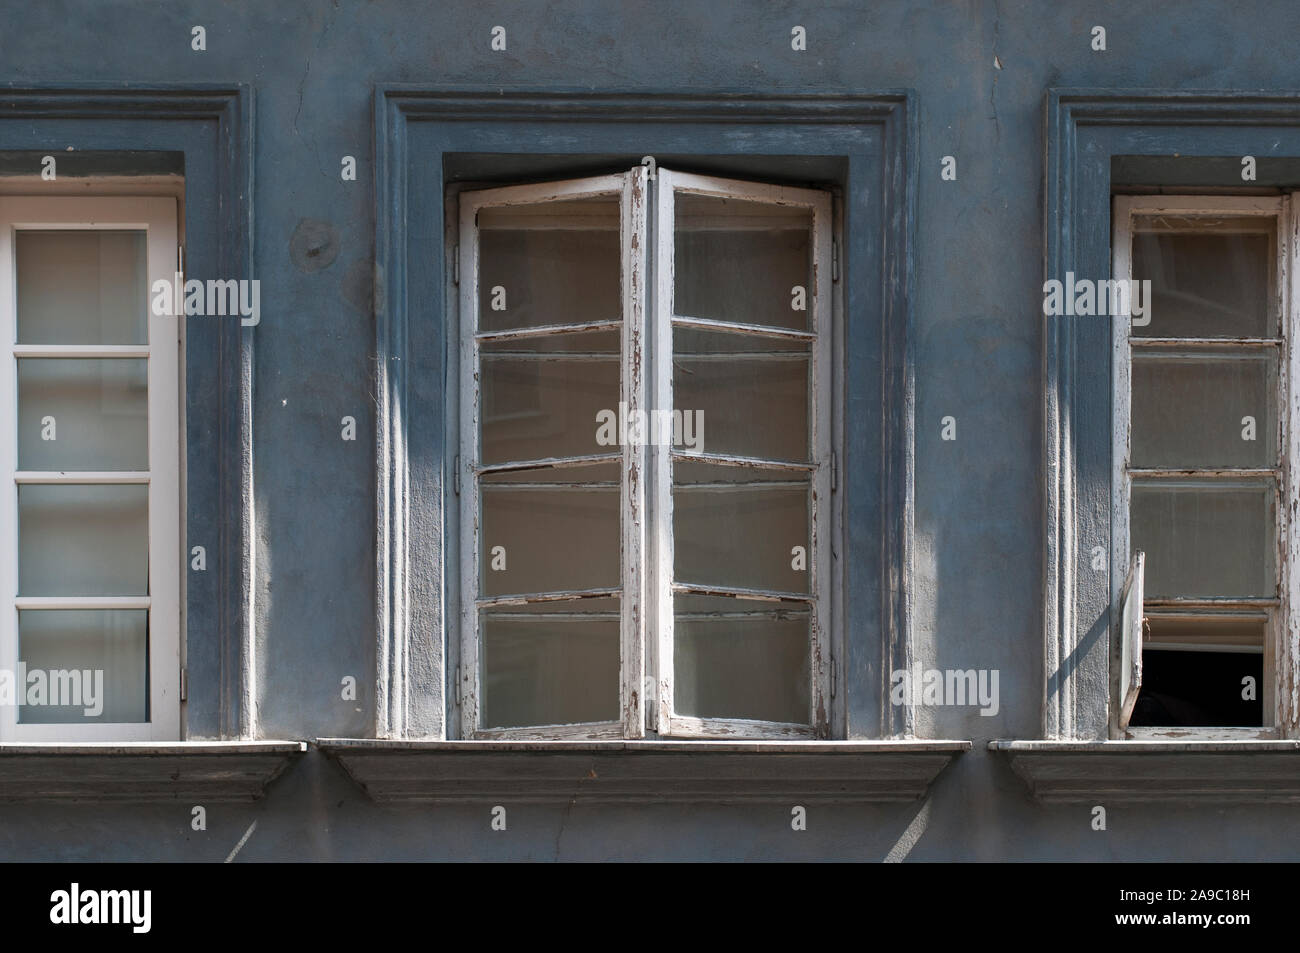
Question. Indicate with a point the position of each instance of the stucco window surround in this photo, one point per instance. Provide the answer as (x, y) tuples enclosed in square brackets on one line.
[(1182, 142), (119, 140), (428, 140)]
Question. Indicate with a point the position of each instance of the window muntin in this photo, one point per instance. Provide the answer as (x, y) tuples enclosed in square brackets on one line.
[(653, 555), (1200, 454), (90, 453)]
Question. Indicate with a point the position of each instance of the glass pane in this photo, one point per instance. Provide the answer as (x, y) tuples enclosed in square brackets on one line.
[(549, 534), (1210, 277), (83, 414), (81, 287), (742, 261), (1188, 409), (551, 263), (546, 398), (1205, 633), (739, 658), (736, 400), (83, 540), (550, 665), (94, 661), (1205, 539), (732, 530)]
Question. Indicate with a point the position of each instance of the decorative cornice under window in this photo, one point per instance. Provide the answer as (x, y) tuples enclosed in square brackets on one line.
[(716, 772), (200, 771), (1157, 770)]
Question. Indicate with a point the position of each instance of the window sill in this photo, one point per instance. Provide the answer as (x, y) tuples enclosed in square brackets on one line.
[(202, 771), (642, 771), (1147, 770)]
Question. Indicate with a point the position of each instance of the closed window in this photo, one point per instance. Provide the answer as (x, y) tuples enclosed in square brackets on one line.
[(90, 457), (645, 465)]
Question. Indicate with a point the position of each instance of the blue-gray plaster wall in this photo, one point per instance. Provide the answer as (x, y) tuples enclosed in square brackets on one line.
[(979, 71)]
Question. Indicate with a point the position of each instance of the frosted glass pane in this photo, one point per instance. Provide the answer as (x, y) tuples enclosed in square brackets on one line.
[(552, 263), (99, 410), (1210, 277), (746, 660), (107, 649), (551, 537), (548, 667), (741, 401), (729, 530), (1205, 539), (1205, 634), (81, 287), (83, 540), (545, 403), (1188, 410), (739, 261)]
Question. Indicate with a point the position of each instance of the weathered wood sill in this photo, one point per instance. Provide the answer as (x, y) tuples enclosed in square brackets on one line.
[(1149, 770), (143, 771), (642, 771)]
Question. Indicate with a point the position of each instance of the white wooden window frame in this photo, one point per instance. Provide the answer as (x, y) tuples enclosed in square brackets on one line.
[(819, 337), (630, 187), (647, 584), (156, 216), (1282, 630)]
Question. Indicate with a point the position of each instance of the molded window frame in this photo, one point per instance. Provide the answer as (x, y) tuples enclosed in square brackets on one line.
[(100, 135), (418, 131), (1088, 129)]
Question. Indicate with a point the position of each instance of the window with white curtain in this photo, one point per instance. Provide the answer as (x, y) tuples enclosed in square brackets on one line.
[(90, 451), (645, 462)]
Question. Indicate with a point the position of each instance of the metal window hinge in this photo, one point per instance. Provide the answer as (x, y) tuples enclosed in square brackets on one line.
[(455, 264), (458, 692), (835, 480), (455, 480), (185, 683), (833, 677), (835, 261), (180, 259)]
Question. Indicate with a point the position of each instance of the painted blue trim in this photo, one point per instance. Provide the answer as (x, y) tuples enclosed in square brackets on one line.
[(212, 125), (416, 128), (1086, 128)]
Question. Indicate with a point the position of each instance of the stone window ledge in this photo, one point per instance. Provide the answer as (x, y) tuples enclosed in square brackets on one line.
[(1150, 770), (201, 771), (642, 771)]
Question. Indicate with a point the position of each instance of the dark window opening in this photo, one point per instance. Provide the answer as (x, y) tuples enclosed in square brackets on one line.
[(1186, 689)]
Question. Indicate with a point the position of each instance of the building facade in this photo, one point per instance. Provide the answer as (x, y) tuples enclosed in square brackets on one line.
[(679, 431)]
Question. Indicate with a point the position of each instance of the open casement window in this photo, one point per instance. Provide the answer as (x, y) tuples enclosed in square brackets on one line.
[(645, 458), (1131, 637), (1203, 463), (90, 447)]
